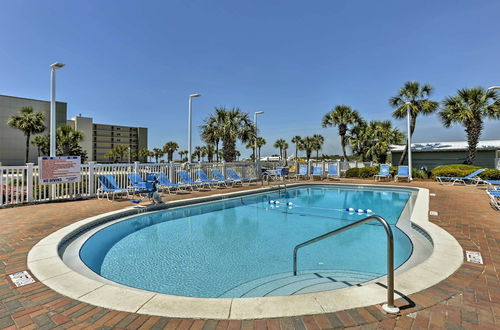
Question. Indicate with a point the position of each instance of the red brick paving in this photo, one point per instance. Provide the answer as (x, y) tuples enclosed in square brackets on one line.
[(470, 298)]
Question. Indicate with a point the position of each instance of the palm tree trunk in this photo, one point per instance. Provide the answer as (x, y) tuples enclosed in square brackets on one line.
[(27, 148), (229, 150), (217, 150), (473, 131), (296, 150), (342, 142), (317, 154)]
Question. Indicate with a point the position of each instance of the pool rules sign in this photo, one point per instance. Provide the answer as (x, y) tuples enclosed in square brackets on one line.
[(59, 169)]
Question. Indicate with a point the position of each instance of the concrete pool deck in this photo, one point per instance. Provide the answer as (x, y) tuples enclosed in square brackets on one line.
[(469, 298)]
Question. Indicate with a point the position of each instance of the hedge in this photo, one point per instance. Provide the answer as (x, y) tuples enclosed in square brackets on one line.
[(369, 172), (463, 170)]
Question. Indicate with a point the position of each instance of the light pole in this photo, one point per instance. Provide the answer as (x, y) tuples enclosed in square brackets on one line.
[(255, 123), (189, 125), (54, 67), (408, 111), (492, 88)]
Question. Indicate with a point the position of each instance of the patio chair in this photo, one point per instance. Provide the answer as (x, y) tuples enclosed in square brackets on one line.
[(403, 172), (218, 175), (186, 179), (108, 186), (317, 171), (494, 196), (333, 172), (492, 184), (212, 183), (233, 175), (385, 172), (165, 183), (302, 171), (136, 181), (470, 179)]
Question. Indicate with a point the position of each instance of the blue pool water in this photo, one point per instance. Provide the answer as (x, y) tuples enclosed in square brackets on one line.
[(209, 250)]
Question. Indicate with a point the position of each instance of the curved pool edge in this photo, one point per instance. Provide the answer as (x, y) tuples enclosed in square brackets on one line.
[(45, 263)]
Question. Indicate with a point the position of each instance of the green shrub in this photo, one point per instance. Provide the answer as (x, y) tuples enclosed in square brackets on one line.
[(368, 172), (352, 173), (419, 174), (490, 174), (454, 170)]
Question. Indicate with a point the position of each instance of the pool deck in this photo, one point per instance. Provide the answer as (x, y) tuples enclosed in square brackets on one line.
[(470, 298)]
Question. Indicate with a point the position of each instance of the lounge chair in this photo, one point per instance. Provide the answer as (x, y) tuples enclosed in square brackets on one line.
[(403, 172), (212, 183), (136, 181), (108, 186), (492, 184), (317, 171), (385, 172), (186, 179), (333, 172), (470, 179), (218, 175), (165, 183), (233, 175), (494, 196), (302, 171)]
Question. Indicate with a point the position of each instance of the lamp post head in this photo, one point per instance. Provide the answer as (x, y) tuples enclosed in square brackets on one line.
[(492, 88), (408, 103), (259, 112), (195, 95), (57, 65)]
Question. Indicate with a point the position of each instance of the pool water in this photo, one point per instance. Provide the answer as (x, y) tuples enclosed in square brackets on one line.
[(209, 250)]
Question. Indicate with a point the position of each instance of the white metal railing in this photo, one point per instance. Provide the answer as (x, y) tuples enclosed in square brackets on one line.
[(21, 184)]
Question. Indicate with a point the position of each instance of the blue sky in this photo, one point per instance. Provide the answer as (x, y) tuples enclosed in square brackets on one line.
[(136, 62)]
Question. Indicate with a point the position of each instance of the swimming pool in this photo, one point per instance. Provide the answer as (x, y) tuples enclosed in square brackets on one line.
[(243, 247)]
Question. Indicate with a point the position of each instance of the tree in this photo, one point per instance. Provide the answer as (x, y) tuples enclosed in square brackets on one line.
[(144, 154), (251, 145), (157, 153), (296, 139), (211, 130), (112, 155), (169, 148), (210, 152), (181, 154), (199, 152), (308, 144), (238, 154), (68, 142), (260, 143), (341, 116), (229, 126), (469, 108), (42, 145), (418, 97), (280, 144), (120, 151), (319, 139), (29, 122)]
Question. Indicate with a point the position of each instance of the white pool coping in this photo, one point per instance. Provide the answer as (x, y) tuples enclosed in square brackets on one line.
[(47, 266)]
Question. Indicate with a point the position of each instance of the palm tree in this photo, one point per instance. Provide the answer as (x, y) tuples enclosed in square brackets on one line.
[(230, 126), (308, 144), (182, 153), (319, 143), (210, 152), (29, 122), (260, 143), (296, 139), (42, 145), (280, 144), (238, 154), (211, 130), (144, 154), (418, 97), (121, 149), (68, 140), (112, 155), (469, 108), (251, 145), (169, 148), (198, 152), (157, 153), (341, 116)]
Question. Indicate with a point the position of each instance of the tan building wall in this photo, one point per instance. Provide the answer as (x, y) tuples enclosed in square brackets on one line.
[(13, 141)]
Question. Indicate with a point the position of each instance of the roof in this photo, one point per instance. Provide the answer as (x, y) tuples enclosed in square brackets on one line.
[(448, 146)]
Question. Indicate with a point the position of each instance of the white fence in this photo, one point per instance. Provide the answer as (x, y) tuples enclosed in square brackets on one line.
[(20, 184)]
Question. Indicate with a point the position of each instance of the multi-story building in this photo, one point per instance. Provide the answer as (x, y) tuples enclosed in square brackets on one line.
[(13, 141), (100, 139)]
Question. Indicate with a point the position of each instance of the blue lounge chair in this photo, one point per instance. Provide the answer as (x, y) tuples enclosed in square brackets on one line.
[(108, 186), (317, 171), (385, 172), (233, 175), (494, 196), (470, 179), (302, 171), (136, 181), (165, 183), (212, 183), (492, 184), (403, 172), (186, 179), (333, 172), (218, 175)]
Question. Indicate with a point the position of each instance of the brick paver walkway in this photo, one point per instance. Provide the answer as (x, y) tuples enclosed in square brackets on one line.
[(470, 298)]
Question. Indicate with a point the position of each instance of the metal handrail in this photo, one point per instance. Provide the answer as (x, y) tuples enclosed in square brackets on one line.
[(389, 307)]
